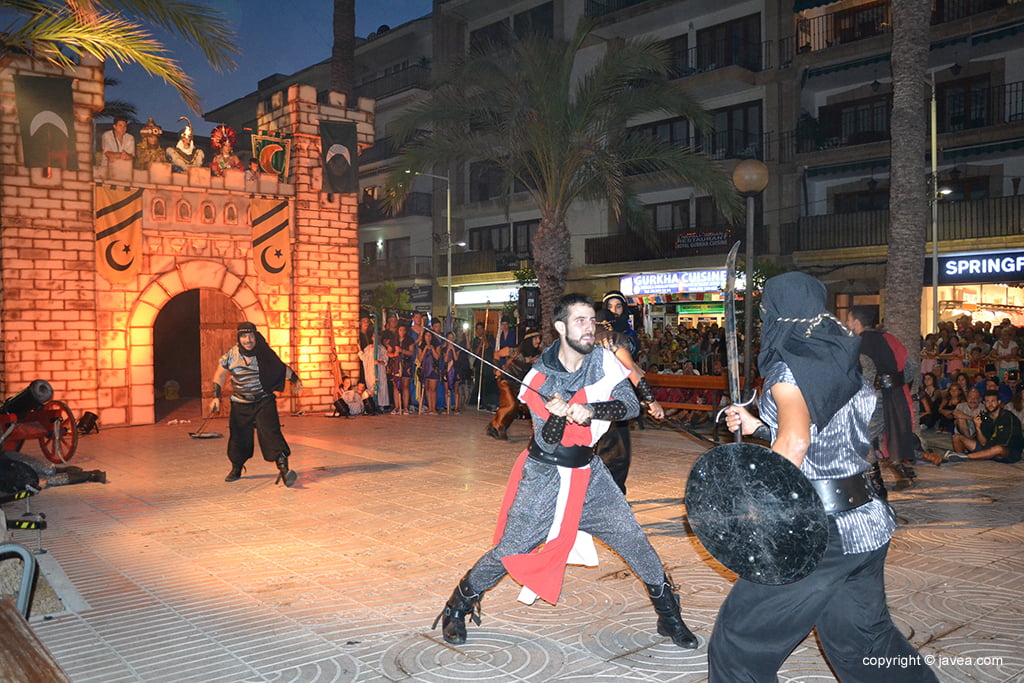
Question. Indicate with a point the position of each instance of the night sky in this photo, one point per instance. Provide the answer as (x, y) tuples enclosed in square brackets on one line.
[(274, 37)]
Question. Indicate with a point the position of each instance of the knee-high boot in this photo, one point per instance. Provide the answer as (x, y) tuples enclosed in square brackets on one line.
[(463, 602), (670, 621)]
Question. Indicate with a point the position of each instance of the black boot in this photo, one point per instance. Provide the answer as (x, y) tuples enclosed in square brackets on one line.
[(878, 483), (98, 476), (463, 602), (236, 473), (904, 475), (284, 474), (670, 621)]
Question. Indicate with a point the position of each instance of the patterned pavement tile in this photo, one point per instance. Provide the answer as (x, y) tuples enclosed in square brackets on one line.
[(339, 578)]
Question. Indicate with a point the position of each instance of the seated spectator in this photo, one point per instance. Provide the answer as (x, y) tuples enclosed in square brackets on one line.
[(951, 398), (998, 437), (928, 400), (965, 414), (351, 396), (1016, 404)]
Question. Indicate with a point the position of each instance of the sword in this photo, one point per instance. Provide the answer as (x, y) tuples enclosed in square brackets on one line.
[(732, 353), (487, 363)]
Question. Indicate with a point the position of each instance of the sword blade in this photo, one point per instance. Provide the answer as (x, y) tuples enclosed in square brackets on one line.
[(731, 351), (486, 362)]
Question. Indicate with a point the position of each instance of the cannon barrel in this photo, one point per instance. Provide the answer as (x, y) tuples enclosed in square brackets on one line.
[(32, 397)]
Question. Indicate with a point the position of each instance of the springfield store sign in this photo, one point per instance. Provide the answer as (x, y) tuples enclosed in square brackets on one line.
[(1004, 267)]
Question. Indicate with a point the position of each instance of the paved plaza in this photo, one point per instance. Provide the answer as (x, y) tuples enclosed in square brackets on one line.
[(183, 577)]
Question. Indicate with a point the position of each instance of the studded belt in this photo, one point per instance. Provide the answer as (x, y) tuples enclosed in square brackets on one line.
[(566, 456), (840, 495)]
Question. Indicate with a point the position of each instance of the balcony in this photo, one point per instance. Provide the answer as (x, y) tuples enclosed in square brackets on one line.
[(416, 204), (996, 217), (869, 20), (720, 54), (488, 261), (415, 76), (599, 8), (382, 149), (395, 269), (735, 144), (669, 244)]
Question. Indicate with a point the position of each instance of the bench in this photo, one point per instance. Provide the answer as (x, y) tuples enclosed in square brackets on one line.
[(689, 382), (23, 657)]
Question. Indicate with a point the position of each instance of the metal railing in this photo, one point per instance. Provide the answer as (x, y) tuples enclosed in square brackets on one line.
[(720, 54), (416, 204), (599, 8), (995, 217), (736, 144), (677, 243), (415, 76), (488, 261), (858, 23), (396, 269)]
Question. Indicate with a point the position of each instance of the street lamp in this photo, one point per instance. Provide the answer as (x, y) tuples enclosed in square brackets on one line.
[(936, 193), (750, 178), (448, 232)]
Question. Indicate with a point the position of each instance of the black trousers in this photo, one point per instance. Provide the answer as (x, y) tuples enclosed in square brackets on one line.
[(260, 416), (844, 597), (615, 450)]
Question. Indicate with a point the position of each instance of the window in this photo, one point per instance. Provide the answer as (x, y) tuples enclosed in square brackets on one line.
[(491, 38), (159, 210), (485, 181), (673, 131), (230, 214), (397, 249), (737, 133), (679, 64), (857, 122), (708, 215), (537, 21), (489, 238), (369, 252), (208, 212), (670, 215), (963, 104), (523, 233), (733, 42), (846, 301), (970, 189), (184, 212)]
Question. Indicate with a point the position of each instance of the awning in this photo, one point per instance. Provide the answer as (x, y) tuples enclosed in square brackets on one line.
[(852, 167), (998, 33), (855, 64)]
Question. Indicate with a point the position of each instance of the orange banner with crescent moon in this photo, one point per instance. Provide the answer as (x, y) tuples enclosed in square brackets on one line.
[(271, 249), (118, 233)]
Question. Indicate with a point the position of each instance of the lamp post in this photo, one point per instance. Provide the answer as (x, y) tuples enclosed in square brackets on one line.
[(750, 178), (448, 233)]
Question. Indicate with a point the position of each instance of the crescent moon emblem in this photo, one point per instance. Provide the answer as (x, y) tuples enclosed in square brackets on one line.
[(269, 268), (114, 264), (45, 117), (267, 158)]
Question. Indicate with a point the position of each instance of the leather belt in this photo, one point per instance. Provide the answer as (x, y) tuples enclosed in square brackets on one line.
[(887, 381), (840, 495), (565, 456)]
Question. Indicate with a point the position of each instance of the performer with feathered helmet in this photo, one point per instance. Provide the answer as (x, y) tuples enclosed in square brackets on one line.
[(223, 139)]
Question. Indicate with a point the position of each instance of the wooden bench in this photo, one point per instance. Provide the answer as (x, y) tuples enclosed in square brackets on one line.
[(23, 657), (690, 382)]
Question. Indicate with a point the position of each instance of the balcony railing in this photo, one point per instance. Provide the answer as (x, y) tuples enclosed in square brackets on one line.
[(723, 53), (600, 8), (736, 144), (488, 261), (858, 23), (415, 76), (382, 149), (668, 244), (996, 217), (396, 269), (416, 204)]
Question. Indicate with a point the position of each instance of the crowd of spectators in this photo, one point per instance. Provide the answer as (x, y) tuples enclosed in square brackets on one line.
[(970, 377)]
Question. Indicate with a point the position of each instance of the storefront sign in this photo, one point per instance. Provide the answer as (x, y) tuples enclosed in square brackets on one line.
[(498, 296), (680, 281), (1005, 267)]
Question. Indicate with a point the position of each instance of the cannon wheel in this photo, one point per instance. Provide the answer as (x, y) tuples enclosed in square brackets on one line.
[(61, 440)]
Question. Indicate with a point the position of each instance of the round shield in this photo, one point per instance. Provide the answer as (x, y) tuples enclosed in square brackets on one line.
[(756, 513)]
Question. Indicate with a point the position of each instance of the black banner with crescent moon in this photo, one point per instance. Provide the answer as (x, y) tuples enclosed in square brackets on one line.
[(340, 154), (46, 117), (271, 249), (118, 233)]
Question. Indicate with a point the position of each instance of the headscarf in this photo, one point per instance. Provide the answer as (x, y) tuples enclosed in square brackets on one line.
[(619, 323), (272, 368), (822, 353)]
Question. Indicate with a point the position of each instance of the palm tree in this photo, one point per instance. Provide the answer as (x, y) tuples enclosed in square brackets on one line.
[(561, 135), (343, 49), (908, 194), (61, 31)]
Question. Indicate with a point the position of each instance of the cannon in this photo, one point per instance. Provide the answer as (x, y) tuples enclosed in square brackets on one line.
[(33, 414)]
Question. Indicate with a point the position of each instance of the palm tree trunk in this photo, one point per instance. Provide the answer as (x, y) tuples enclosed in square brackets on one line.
[(551, 258), (344, 49), (908, 192)]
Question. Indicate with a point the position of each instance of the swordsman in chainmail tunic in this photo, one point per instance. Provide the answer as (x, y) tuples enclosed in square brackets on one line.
[(558, 493)]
